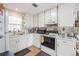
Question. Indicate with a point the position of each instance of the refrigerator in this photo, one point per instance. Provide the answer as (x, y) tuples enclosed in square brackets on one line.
[(2, 32)]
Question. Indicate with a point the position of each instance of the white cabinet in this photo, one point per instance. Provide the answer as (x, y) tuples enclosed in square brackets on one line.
[(21, 42), (54, 15), (66, 15), (41, 19), (66, 48), (29, 20), (51, 16), (30, 39), (35, 20), (24, 41), (47, 16), (18, 43), (13, 45), (36, 40)]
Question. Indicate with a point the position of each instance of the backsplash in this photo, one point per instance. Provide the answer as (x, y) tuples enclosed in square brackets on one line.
[(67, 30)]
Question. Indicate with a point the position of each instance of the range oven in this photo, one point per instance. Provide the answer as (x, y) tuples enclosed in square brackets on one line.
[(49, 42)]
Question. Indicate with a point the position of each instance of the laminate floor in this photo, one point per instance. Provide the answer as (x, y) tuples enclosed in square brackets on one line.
[(33, 51)]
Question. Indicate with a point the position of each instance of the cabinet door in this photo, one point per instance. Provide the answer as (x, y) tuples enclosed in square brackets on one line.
[(30, 39), (41, 19), (36, 40), (66, 15), (2, 45), (22, 42), (13, 45), (47, 16), (64, 49), (35, 21), (29, 20), (54, 15), (19, 43)]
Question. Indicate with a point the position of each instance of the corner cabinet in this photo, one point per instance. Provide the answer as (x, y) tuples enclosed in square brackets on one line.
[(36, 40), (66, 47)]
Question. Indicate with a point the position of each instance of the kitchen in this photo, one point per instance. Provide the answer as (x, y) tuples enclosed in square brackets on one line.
[(52, 28)]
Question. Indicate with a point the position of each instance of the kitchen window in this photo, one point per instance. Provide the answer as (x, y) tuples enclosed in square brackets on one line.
[(15, 23)]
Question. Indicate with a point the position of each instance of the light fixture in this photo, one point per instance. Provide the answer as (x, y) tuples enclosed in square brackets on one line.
[(35, 5)]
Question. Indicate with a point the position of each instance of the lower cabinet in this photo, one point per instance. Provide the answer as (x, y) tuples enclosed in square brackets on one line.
[(36, 40), (66, 48), (18, 43), (13, 45)]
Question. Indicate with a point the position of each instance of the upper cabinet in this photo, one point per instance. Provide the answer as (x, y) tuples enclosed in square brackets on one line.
[(28, 20), (47, 16), (51, 16), (54, 15), (66, 15), (35, 21), (41, 19)]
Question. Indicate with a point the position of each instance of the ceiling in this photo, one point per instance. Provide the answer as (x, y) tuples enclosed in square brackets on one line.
[(28, 8)]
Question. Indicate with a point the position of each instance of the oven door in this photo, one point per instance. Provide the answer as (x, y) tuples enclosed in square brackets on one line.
[(49, 42)]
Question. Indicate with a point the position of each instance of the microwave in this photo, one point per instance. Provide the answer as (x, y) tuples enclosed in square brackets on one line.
[(41, 30)]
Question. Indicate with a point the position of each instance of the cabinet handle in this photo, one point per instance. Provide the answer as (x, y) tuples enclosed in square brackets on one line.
[(64, 42), (74, 48), (16, 41), (58, 45)]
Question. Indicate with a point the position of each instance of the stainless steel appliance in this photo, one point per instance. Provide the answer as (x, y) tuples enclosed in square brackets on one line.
[(41, 30), (52, 28)]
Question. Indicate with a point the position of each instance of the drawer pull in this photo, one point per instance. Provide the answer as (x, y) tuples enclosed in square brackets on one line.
[(64, 42), (58, 45), (74, 48)]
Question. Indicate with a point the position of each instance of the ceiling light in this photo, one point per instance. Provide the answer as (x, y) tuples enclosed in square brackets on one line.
[(35, 5)]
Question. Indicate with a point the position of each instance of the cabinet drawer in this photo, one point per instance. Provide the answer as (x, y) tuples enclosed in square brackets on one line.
[(68, 42)]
